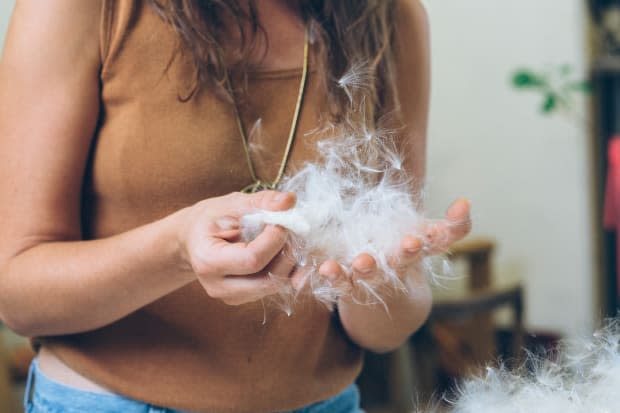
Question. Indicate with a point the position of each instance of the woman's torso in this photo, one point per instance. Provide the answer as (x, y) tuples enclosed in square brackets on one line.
[(153, 154)]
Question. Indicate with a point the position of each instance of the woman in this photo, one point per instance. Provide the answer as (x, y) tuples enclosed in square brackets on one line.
[(122, 152)]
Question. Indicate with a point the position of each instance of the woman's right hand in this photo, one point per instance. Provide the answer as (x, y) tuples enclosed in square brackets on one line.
[(229, 269), (52, 281)]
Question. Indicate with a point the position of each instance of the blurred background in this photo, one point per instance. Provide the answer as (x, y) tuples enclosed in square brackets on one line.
[(525, 101), (531, 175)]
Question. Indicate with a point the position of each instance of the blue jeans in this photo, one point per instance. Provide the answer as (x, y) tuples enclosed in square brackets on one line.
[(44, 395)]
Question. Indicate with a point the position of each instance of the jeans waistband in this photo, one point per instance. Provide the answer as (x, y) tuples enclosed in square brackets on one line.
[(50, 395), (43, 391)]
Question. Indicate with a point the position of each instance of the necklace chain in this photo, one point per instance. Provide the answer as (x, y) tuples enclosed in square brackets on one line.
[(259, 184)]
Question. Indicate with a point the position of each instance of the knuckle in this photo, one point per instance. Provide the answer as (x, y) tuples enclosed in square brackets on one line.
[(467, 225), (256, 200), (227, 301), (232, 300), (462, 229), (211, 290), (235, 195), (253, 262), (233, 198), (219, 290), (211, 227), (201, 264), (277, 235), (261, 199), (213, 286)]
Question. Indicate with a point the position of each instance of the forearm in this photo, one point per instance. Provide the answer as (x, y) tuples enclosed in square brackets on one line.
[(66, 287), (375, 329)]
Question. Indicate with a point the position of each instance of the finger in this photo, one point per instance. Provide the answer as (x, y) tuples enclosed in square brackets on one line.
[(410, 252), (227, 223), (331, 270), (364, 265), (410, 245), (245, 289), (239, 289), (281, 266), (299, 278), (439, 237), (458, 217), (248, 258), (232, 235), (227, 227), (264, 200), (456, 225)]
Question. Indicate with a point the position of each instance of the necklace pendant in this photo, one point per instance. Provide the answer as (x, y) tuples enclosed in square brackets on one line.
[(258, 186)]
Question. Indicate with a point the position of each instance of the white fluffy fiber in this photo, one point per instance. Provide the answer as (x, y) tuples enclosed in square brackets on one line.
[(356, 200), (584, 378)]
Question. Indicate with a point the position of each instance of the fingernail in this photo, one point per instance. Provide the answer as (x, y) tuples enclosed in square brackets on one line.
[(280, 196), (412, 245), (457, 208)]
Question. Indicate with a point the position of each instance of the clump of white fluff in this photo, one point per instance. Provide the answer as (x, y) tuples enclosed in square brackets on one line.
[(356, 199), (581, 378)]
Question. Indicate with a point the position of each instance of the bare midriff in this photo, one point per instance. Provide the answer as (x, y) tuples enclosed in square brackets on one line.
[(53, 368)]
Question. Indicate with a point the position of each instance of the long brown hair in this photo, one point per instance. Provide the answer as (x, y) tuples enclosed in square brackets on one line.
[(351, 38)]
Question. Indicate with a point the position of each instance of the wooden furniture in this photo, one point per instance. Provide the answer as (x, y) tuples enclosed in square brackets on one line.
[(460, 335), (16, 355), (386, 382), (458, 338), (7, 400)]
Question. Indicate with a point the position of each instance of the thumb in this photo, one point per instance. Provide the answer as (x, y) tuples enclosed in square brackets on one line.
[(458, 218), (459, 211), (264, 200)]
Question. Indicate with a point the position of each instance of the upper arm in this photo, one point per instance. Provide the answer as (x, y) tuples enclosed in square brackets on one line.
[(412, 70), (49, 105)]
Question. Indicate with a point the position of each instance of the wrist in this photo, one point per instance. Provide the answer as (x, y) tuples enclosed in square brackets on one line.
[(177, 225), (382, 327)]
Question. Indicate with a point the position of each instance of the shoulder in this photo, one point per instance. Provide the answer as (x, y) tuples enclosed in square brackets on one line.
[(411, 53), (411, 24), (71, 12), (58, 28), (412, 11)]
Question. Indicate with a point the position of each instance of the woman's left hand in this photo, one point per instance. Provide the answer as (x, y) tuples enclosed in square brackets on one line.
[(438, 236)]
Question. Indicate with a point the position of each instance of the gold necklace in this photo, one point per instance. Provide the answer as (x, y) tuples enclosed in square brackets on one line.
[(259, 184)]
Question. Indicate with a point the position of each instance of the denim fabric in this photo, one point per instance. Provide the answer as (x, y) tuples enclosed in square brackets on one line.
[(44, 395)]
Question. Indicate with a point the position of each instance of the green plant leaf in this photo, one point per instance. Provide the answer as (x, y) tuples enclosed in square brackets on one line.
[(527, 79), (549, 104), (581, 86)]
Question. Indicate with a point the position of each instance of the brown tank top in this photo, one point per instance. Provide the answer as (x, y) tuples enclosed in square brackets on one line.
[(153, 154)]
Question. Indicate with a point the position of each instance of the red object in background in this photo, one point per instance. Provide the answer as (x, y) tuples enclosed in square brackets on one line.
[(611, 207)]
